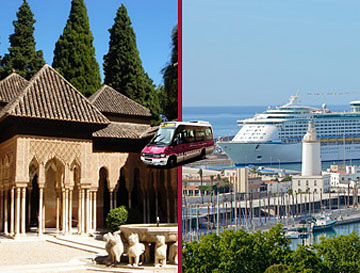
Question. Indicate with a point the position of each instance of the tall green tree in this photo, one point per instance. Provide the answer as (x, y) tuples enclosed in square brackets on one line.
[(74, 54), (22, 56), (123, 69), (170, 75), (152, 100)]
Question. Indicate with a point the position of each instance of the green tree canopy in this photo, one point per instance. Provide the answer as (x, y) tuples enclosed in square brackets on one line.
[(236, 252), (169, 98), (340, 254), (74, 54), (22, 56), (123, 69), (122, 65)]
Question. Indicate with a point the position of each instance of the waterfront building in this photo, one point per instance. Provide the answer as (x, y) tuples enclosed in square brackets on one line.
[(247, 182), (66, 160), (342, 175), (275, 187), (311, 178)]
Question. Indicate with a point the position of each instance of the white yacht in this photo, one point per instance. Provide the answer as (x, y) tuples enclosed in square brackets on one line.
[(274, 136)]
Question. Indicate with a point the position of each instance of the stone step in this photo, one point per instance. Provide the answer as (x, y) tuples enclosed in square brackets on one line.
[(77, 244), (74, 266)]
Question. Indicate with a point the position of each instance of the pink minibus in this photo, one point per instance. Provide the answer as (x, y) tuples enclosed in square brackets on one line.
[(177, 142)]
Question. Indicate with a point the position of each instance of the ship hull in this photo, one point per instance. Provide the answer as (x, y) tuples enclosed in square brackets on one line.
[(274, 153)]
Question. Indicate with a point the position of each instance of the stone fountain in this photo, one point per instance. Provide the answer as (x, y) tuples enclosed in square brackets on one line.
[(154, 244)]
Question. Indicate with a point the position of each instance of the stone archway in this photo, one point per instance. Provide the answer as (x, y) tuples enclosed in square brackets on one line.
[(122, 196), (102, 198), (54, 175), (136, 213), (75, 197), (33, 196)]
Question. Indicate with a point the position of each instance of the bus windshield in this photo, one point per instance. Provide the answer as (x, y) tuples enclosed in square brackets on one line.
[(163, 136)]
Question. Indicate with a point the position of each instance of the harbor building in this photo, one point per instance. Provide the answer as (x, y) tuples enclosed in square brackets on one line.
[(311, 178), (66, 160)]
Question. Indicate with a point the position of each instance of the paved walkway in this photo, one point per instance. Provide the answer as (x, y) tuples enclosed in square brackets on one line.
[(34, 254)]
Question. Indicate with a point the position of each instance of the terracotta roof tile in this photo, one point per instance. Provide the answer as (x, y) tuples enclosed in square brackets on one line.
[(11, 86), (108, 100), (49, 96), (122, 130)]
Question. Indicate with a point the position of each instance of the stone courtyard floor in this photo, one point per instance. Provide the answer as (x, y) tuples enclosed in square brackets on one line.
[(49, 254)]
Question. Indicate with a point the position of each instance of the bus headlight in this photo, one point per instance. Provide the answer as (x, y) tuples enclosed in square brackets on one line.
[(162, 155)]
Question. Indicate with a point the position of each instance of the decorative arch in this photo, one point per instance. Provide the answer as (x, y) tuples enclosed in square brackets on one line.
[(102, 197)]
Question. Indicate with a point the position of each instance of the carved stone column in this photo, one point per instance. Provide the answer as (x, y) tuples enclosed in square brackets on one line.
[(40, 216), (23, 210), (12, 211), (91, 211), (94, 210), (82, 211), (70, 211), (43, 215), (6, 224), (87, 211), (18, 212), (66, 224), (111, 200), (63, 214), (79, 211), (29, 206), (57, 211)]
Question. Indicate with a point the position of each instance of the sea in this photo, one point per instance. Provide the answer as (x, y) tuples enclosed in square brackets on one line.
[(224, 118), (224, 122)]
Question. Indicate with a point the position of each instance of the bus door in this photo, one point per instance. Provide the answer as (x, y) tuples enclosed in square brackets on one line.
[(179, 146)]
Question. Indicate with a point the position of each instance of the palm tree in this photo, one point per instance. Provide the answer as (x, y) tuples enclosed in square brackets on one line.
[(348, 194), (308, 192), (290, 193), (301, 207), (201, 183)]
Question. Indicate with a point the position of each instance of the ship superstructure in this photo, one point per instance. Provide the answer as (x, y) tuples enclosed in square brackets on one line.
[(275, 135)]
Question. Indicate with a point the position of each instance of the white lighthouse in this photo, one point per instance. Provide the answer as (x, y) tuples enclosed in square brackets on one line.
[(311, 156)]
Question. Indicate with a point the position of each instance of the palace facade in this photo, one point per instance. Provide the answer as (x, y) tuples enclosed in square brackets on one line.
[(66, 160)]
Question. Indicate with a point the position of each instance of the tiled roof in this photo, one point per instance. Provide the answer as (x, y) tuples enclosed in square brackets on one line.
[(49, 96), (122, 130), (11, 86), (108, 100)]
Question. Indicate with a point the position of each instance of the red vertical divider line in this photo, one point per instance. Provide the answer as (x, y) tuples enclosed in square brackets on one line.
[(180, 119)]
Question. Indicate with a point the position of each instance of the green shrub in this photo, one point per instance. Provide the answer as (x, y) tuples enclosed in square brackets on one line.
[(277, 268), (116, 217)]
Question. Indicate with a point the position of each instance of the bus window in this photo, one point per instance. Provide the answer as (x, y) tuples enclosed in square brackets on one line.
[(200, 134), (190, 135), (208, 134)]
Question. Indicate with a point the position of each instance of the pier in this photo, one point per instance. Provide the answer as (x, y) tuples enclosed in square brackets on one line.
[(252, 214)]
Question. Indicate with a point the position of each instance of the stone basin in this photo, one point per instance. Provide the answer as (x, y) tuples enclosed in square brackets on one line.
[(148, 232)]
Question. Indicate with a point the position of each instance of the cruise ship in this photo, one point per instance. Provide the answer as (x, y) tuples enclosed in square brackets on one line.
[(275, 136)]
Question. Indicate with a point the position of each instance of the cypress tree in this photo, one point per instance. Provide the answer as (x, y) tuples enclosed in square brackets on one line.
[(122, 65), (74, 54), (152, 100), (22, 56), (170, 75)]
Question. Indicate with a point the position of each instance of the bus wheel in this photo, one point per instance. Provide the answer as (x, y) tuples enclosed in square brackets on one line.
[(203, 154), (171, 162)]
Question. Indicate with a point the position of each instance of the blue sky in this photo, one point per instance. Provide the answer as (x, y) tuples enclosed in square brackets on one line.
[(238, 52), (152, 21)]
